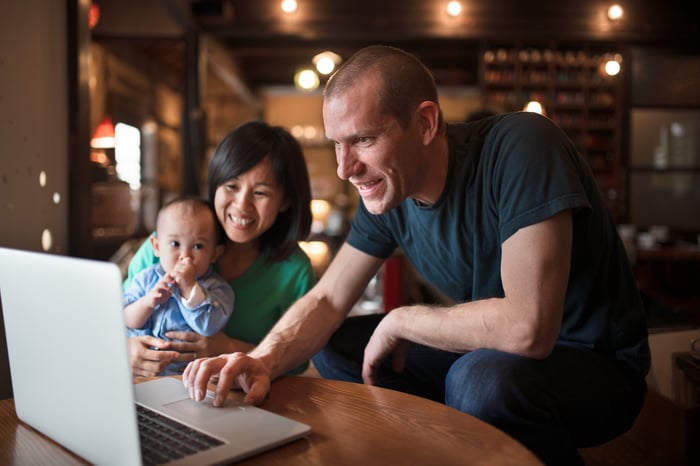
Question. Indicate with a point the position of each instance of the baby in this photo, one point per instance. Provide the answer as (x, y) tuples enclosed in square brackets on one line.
[(182, 292)]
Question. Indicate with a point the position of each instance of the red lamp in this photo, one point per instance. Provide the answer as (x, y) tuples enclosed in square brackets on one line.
[(93, 15), (103, 138)]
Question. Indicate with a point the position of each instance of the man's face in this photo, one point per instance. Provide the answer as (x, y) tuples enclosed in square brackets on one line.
[(373, 152)]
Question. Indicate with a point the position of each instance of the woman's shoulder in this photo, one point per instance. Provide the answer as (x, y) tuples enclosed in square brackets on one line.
[(299, 257), (143, 258), (297, 262), (293, 274)]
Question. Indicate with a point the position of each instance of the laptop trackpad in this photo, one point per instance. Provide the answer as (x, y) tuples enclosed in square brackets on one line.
[(202, 411)]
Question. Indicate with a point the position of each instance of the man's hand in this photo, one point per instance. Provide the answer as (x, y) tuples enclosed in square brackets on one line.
[(381, 344), (233, 370)]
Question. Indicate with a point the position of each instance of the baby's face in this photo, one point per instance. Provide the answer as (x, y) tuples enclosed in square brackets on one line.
[(190, 237)]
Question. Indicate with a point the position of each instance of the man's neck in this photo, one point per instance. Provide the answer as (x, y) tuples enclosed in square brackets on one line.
[(437, 161)]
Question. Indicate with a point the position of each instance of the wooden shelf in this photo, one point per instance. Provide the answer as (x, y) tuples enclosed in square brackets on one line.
[(582, 101)]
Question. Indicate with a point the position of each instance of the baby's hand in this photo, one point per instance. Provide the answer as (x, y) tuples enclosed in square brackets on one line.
[(161, 292), (183, 274)]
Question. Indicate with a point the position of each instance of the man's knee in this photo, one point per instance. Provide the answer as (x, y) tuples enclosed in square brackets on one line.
[(482, 383)]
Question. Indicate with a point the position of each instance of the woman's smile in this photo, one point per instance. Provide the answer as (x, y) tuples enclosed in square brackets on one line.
[(240, 221)]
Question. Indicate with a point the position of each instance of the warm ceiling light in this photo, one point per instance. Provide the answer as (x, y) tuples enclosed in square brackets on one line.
[(326, 62), (325, 65), (612, 67), (103, 138), (454, 8), (615, 12), (289, 6), (306, 79), (535, 107)]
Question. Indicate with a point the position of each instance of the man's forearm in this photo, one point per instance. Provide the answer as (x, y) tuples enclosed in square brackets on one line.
[(299, 334)]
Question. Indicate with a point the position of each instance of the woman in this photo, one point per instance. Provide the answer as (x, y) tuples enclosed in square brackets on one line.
[(259, 185)]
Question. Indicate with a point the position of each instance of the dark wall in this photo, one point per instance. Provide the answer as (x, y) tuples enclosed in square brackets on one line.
[(664, 78)]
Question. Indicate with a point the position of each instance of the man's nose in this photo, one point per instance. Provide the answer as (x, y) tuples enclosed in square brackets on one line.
[(347, 162)]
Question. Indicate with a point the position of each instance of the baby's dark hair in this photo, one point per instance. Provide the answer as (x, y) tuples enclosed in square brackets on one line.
[(195, 204)]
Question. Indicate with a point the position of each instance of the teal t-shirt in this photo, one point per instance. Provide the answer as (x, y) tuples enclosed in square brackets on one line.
[(262, 294)]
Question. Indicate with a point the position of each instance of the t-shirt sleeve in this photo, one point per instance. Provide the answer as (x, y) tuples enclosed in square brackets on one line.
[(536, 172), (370, 234)]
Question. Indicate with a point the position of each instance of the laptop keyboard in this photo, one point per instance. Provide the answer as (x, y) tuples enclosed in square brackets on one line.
[(163, 439)]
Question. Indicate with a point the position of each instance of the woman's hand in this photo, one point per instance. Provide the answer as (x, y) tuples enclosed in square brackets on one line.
[(199, 346), (146, 361), (231, 370)]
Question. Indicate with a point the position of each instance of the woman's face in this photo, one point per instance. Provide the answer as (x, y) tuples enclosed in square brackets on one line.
[(247, 206)]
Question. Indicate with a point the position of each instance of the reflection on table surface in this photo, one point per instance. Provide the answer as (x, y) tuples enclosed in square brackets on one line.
[(351, 424)]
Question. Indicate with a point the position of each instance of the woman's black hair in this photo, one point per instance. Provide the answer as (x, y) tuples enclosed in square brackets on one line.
[(245, 147)]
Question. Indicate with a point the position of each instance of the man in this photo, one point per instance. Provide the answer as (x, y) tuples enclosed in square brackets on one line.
[(547, 340)]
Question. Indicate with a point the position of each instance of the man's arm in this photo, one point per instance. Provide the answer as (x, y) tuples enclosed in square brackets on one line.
[(299, 334), (526, 321), (306, 327)]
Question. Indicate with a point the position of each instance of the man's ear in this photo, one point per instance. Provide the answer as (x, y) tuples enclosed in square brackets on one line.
[(428, 120), (218, 251), (154, 245)]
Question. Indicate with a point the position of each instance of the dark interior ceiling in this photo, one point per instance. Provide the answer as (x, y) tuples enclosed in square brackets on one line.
[(269, 45)]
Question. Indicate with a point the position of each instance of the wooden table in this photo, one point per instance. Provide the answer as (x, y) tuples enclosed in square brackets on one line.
[(351, 424)]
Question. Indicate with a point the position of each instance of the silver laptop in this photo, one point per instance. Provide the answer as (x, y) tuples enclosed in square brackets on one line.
[(71, 378)]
